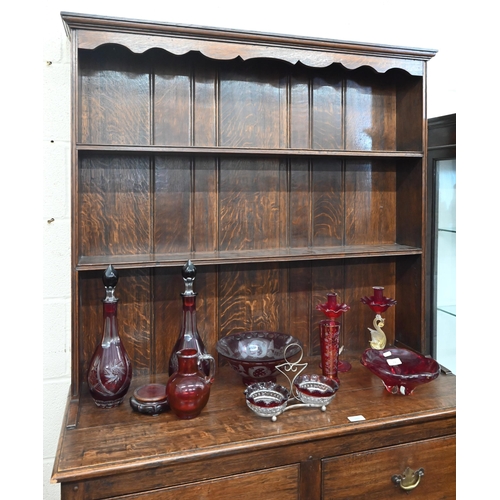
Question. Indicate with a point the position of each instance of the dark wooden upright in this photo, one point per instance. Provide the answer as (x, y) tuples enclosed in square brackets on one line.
[(284, 168)]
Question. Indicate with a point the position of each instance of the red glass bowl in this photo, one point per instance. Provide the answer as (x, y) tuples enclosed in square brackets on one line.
[(267, 399), (401, 370), (315, 389), (255, 355)]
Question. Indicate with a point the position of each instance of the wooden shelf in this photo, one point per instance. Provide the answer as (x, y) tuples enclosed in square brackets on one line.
[(242, 257), (222, 151)]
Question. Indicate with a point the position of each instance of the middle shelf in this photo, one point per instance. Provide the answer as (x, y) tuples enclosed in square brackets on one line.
[(244, 257), (137, 209)]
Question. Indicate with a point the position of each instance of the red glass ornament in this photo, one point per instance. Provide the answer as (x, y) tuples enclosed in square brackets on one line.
[(329, 331), (110, 370), (188, 389)]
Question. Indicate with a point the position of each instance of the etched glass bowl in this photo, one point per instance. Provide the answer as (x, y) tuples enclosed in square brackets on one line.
[(254, 355), (267, 399), (401, 370), (314, 389)]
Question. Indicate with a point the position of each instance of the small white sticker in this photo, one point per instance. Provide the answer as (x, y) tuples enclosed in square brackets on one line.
[(387, 353), (394, 361), (356, 418)]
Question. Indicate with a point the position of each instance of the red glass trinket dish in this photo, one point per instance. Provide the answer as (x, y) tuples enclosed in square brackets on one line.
[(400, 370), (267, 399), (150, 399), (315, 389)]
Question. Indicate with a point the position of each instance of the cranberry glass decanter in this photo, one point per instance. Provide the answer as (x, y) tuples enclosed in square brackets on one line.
[(189, 338), (110, 370), (329, 330)]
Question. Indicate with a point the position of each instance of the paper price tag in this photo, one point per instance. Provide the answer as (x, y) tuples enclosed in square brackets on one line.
[(394, 361), (356, 418)]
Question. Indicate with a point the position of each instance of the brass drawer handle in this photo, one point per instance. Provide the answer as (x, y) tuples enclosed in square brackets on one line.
[(409, 480)]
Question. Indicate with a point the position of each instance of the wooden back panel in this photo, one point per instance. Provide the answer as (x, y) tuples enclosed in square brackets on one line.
[(162, 99), (265, 211)]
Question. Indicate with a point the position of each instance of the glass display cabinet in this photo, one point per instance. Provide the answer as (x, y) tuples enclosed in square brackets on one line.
[(442, 226)]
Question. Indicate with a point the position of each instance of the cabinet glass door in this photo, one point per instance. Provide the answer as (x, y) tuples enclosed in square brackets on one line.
[(446, 263)]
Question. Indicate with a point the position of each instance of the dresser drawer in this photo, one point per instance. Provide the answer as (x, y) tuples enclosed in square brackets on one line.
[(370, 474), (280, 483)]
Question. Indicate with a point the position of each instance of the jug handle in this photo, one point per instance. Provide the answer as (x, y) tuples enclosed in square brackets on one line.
[(211, 375)]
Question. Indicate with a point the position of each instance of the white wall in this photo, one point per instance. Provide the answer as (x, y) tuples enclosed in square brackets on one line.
[(417, 24)]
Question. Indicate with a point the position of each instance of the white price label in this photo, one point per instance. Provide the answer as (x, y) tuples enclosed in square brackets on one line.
[(356, 418), (394, 361)]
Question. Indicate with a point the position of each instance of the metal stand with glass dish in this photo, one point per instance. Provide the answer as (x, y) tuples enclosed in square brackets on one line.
[(259, 357)]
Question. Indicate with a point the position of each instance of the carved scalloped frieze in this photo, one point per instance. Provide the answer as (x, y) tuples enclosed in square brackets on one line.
[(229, 45)]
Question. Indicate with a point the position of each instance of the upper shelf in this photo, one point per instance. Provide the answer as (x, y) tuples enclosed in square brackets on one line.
[(224, 44), (263, 107), (219, 151)]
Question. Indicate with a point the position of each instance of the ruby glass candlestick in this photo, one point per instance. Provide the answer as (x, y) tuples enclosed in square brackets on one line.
[(378, 304), (329, 330)]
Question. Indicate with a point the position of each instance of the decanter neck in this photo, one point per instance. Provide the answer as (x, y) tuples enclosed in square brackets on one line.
[(110, 330), (189, 302), (189, 315), (110, 308)]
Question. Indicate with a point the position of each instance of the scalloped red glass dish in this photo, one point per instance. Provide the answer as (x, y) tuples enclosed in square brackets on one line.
[(401, 370)]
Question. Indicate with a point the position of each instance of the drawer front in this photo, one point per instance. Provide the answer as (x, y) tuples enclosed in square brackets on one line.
[(281, 483), (369, 474)]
